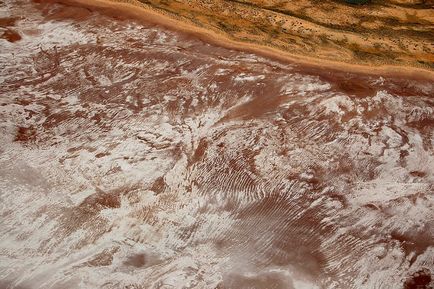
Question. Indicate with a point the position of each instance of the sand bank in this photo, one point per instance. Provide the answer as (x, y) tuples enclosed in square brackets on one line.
[(139, 11)]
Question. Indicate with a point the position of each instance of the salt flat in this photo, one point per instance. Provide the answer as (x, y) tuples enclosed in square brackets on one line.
[(133, 156)]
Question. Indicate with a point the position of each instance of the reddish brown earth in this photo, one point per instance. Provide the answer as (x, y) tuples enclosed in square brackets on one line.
[(133, 156)]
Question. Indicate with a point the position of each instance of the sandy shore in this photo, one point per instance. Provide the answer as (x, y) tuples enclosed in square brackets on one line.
[(141, 12)]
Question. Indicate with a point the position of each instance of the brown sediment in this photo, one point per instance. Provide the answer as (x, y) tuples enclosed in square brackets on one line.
[(158, 185), (8, 21), (25, 134), (76, 13), (266, 100), (200, 150), (11, 35), (139, 11), (354, 86)]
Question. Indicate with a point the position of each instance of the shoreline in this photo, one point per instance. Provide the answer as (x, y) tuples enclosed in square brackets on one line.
[(142, 13)]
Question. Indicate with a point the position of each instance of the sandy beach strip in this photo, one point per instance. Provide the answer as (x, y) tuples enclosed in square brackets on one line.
[(141, 12)]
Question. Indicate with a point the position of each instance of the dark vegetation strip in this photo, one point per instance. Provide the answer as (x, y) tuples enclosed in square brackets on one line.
[(348, 28)]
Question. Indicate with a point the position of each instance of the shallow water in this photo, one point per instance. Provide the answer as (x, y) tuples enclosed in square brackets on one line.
[(137, 157)]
